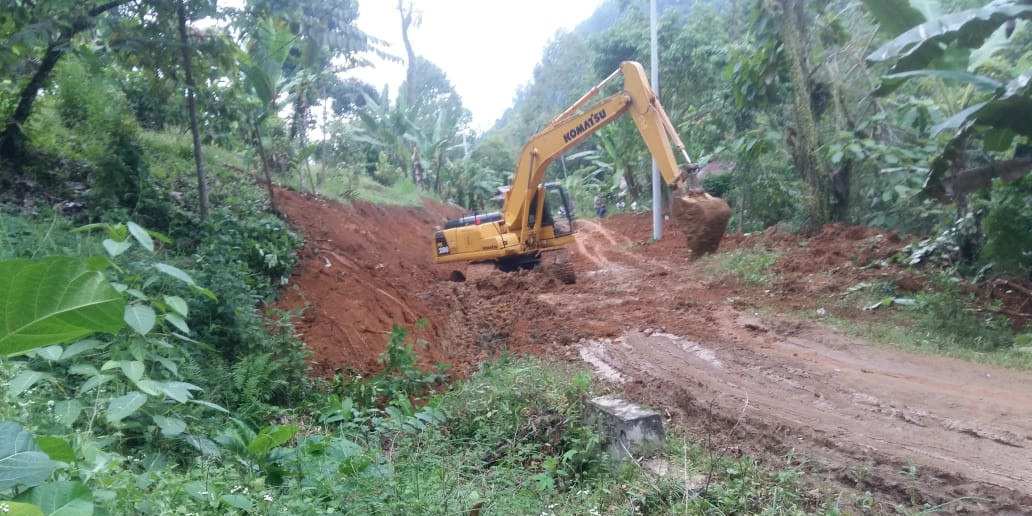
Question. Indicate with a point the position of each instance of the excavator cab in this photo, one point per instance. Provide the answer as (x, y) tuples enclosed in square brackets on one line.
[(536, 218), (558, 210)]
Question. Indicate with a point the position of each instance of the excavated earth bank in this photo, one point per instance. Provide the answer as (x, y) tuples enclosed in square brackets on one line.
[(913, 428)]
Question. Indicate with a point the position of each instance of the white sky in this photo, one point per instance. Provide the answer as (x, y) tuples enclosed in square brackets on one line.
[(487, 48)]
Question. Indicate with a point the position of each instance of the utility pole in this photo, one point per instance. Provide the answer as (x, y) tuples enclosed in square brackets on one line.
[(657, 186)]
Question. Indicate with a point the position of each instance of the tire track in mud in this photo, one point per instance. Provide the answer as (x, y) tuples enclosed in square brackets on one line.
[(862, 415), (865, 409), (681, 343)]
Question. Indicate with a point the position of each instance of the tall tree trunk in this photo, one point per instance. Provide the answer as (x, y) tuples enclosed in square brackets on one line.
[(265, 167), (325, 141), (437, 172), (406, 22), (632, 183), (12, 139), (788, 14), (417, 167), (191, 102)]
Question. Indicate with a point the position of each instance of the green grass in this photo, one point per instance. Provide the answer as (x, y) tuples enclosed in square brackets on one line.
[(749, 266), (36, 237), (345, 186), (170, 155), (942, 322), (898, 330)]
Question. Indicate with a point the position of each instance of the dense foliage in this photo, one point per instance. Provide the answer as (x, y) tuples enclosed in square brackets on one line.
[(822, 111), (143, 372)]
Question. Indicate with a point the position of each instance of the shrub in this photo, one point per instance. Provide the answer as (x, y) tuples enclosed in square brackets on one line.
[(1008, 228)]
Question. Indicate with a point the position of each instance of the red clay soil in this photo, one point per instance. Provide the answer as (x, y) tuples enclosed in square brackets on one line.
[(362, 270), (668, 331)]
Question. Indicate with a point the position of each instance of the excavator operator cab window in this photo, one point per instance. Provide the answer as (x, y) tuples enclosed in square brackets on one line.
[(562, 218)]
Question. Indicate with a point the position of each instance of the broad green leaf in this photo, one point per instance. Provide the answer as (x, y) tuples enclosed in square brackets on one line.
[(179, 391), (141, 236), (56, 448), (207, 293), (1011, 109), (140, 318), (178, 305), (53, 301), (998, 139), (177, 321), (132, 369), (202, 444), (199, 490), (211, 405), (148, 386), (170, 365), (175, 272), (161, 237), (67, 412), (117, 232), (114, 248), (21, 509), (64, 498), (124, 406), (25, 381), (895, 16), (889, 83), (93, 382), (238, 501), (51, 353), (921, 45), (170, 426), (83, 370), (271, 437), (22, 463), (79, 348)]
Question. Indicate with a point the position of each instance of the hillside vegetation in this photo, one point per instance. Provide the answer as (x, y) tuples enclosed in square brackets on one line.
[(146, 368)]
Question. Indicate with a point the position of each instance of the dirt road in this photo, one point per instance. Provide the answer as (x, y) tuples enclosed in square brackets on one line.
[(913, 428), (922, 428)]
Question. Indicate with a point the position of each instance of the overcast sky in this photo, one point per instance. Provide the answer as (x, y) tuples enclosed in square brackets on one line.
[(488, 48)]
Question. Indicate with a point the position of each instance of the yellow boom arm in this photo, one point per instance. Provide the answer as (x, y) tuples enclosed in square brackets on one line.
[(576, 124)]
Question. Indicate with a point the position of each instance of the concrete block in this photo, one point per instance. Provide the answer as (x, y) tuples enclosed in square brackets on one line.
[(627, 429)]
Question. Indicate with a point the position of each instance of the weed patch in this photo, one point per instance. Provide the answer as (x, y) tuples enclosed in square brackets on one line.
[(749, 266)]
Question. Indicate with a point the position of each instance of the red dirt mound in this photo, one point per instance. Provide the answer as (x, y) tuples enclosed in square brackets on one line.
[(363, 268)]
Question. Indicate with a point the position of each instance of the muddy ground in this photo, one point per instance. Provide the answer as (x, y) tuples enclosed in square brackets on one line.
[(730, 364)]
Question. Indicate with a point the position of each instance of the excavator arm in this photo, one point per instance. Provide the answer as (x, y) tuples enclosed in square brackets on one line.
[(518, 234), (577, 123)]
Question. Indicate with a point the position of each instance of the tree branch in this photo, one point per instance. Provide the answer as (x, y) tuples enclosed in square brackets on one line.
[(981, 177), (12, 139)]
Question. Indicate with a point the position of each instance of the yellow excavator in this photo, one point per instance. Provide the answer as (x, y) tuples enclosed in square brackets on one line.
[(526, 228)]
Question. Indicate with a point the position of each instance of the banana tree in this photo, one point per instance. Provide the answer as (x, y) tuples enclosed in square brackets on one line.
[(261, 61), (384, 126), (942, 47), (434, 147)]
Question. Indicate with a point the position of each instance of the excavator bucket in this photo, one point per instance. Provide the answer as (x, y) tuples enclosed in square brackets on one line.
[(703, 219)]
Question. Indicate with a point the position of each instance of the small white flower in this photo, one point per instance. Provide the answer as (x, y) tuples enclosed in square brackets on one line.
[(4, 508), (267, 498), (236, 489)]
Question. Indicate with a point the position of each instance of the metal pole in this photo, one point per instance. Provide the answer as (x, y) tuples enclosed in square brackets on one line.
[(657, 187)]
